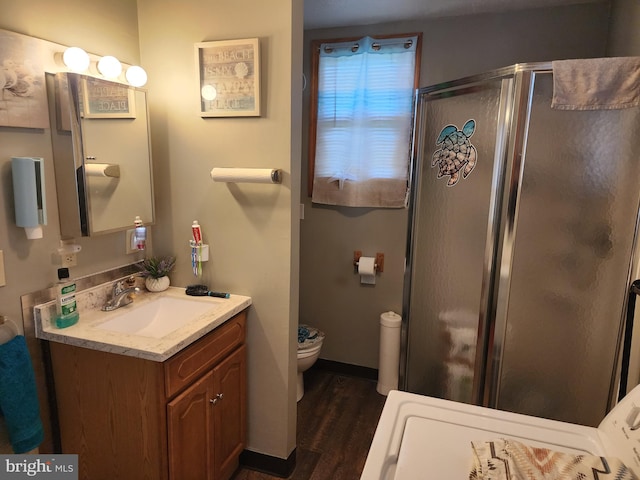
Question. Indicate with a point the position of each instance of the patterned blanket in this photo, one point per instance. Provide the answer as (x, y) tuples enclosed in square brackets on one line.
[(511, 460)]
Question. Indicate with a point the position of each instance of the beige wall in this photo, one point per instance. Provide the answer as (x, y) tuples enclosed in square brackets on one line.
[(252, 229), (331, 297), (100, 26)]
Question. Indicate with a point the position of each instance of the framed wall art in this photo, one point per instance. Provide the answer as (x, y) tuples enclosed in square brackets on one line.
[(229, 78), (23, 96), (104, 99)]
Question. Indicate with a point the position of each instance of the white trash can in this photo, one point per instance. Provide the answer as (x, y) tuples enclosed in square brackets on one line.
[(389, 363)]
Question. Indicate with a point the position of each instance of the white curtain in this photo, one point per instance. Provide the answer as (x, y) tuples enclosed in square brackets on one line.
[(365, 106)]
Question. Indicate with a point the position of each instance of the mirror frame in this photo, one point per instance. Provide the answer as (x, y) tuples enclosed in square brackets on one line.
[(74, 203)]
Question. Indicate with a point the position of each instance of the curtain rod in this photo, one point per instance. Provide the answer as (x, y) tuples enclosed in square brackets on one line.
[(375, 45)]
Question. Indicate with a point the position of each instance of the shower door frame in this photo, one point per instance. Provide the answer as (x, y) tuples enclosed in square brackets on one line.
[(526, 77), (516, 98)]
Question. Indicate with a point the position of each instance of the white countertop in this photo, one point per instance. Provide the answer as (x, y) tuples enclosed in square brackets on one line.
[(86, 334)]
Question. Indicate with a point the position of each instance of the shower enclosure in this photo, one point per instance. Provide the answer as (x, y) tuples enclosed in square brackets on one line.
[(521, 246)]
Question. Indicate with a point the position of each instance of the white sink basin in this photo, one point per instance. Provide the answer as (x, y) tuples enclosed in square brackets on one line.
[(158, 317)]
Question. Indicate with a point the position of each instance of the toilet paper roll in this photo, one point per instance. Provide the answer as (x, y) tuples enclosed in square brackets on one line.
[(102, 170), (367, 270)]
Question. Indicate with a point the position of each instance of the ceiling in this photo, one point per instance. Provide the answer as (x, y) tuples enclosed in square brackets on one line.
[(342, 13)]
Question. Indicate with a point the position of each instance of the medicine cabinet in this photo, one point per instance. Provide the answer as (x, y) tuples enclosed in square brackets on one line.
[(101, 153)]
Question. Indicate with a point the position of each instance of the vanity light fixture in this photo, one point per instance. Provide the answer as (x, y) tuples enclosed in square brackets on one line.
[(76, 59), (136, 76), (109, 67)]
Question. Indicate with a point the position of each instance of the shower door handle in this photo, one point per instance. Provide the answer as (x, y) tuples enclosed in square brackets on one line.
[(634, 291)]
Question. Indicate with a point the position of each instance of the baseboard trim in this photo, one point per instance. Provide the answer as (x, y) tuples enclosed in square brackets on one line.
[(280, 467), (347, 369)]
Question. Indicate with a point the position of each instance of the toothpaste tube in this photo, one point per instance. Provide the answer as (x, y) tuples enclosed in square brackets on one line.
[(197, 232)]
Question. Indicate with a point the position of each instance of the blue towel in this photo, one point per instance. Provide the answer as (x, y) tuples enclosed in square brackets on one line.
[(303, 333), (306, 333), (19, 397)]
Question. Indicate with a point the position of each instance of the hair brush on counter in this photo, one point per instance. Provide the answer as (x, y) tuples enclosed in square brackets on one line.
[(203, 291)]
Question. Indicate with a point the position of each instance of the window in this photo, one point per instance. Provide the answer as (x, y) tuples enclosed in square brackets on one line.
[(361, 120)]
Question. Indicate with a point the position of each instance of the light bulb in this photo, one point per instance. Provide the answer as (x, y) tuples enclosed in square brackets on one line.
[(109, 67), (136, 76), (209, 92), (76, 59)]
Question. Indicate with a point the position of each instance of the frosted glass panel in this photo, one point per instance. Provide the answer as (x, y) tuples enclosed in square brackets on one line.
[(573, 243), (448, 245)]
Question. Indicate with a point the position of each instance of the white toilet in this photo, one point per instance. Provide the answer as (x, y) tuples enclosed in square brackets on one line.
[(309, 345)]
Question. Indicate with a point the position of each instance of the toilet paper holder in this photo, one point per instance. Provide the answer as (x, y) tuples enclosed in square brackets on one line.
[(379, 264)]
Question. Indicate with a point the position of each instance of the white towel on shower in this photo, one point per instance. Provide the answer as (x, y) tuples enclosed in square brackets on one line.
[(596, 83)]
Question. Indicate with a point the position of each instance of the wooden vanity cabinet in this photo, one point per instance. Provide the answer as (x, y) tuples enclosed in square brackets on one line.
[(130, 418), (206, 423)]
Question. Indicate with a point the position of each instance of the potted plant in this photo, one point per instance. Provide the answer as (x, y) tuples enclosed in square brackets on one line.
[(155, 271)]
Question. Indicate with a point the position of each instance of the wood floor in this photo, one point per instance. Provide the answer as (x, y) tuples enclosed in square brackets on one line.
[(337, 418)]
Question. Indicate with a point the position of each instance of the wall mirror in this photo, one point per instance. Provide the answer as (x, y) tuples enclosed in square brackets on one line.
[(102, 154)]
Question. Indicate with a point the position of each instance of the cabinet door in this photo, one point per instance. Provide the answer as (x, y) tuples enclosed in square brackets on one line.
[(229, 413), (189, 418)]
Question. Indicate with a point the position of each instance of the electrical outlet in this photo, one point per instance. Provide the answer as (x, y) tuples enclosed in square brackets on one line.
[(68, 259), (128, 239)]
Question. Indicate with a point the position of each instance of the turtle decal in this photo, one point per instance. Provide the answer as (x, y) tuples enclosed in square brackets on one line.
[(456, 152)]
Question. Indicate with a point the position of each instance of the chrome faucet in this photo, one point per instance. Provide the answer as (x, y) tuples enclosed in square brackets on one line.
[(121, 295)]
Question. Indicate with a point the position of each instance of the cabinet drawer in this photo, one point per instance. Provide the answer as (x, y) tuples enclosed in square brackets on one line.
[(184, 367)]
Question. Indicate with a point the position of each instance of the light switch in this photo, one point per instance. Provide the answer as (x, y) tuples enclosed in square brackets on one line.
[(2, 279)]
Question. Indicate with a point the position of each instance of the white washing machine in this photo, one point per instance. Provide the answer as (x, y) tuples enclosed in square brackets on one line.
[(421, 437)]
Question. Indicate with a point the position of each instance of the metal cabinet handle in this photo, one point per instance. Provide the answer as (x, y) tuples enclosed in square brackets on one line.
[(219, 397)]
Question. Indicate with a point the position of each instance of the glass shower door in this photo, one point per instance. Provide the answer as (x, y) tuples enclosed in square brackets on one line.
[(569, 271), (456, 183)]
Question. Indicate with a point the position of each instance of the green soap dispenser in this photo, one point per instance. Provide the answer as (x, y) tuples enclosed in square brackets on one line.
[(66, 308)]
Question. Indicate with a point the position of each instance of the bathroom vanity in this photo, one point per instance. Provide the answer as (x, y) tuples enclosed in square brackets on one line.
[(174, 418)]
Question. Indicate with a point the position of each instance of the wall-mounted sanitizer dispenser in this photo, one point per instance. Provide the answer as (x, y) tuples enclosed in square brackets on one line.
[(28, 194)]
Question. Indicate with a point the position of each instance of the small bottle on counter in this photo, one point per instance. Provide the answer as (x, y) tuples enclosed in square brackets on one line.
[(140, 235), (66, 307)]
